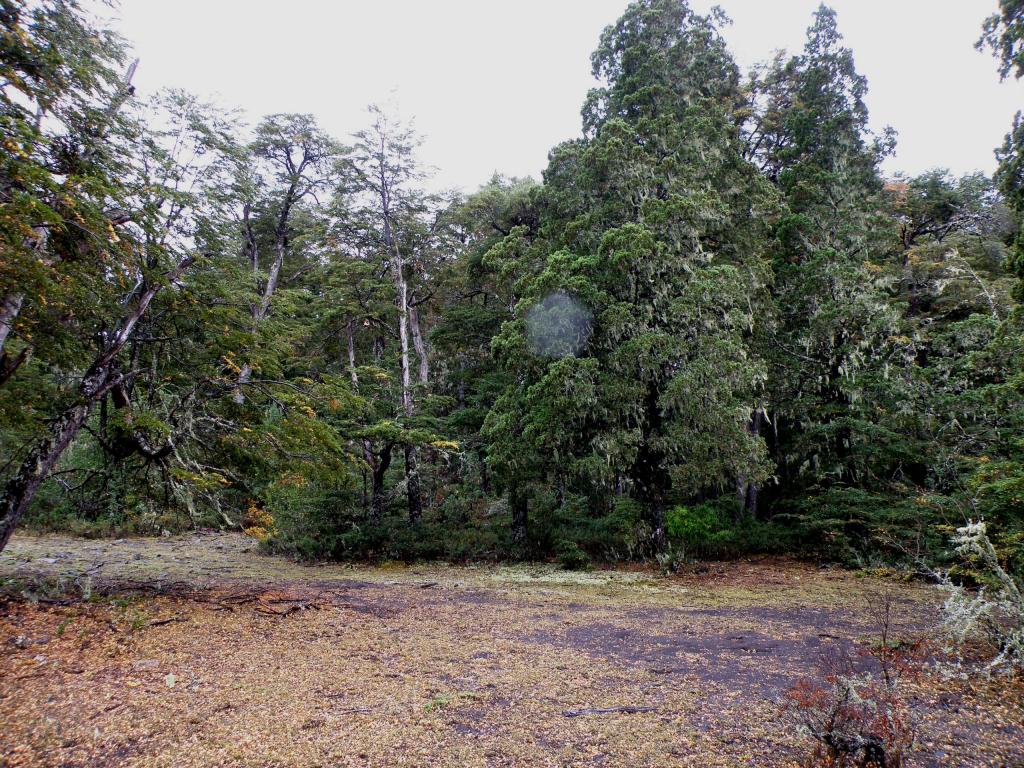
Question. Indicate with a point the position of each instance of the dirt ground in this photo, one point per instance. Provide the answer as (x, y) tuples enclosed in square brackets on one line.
[(200, 651)]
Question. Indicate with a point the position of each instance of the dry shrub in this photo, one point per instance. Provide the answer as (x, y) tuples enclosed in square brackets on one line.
[(854, 713)]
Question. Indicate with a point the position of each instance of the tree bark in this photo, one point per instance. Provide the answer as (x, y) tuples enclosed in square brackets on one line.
[(379, 468), (412, 480), (372, 461), (9, 309), (518, 506), (649, 477), (101, 377), (754, 489), (408, 404), (10, 306), (420, 345), (262, 309), (747, 492), (21, 489)]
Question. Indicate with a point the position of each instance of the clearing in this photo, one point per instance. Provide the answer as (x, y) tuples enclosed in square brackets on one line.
[(199, 651)]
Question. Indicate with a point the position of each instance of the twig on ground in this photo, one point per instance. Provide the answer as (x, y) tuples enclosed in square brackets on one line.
[(608, 711)]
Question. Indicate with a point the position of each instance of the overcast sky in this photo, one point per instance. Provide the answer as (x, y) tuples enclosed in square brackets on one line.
[(494, 84)]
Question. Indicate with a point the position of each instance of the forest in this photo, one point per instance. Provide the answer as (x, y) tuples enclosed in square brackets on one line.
[(713, 328)]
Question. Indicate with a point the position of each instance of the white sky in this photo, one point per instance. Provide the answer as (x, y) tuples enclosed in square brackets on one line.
[(494, 84)]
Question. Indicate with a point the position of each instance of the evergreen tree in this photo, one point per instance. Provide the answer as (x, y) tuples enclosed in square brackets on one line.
[(837, 330), (632, 372)]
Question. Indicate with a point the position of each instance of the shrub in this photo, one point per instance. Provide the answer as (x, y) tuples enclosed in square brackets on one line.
[(690, 530), (994, 613), (861, 528), (572, 557), (855, 716), (710, 530), (316, 524), (602, 534)]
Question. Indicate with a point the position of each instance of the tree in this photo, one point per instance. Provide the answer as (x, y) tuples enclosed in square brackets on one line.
[(628, 347), (478, 292), (297, 160), (357, 289), (1003, 34), (103, 217), (385, 172), (993, 399), (166, 203), (62, 97), (808, 132)]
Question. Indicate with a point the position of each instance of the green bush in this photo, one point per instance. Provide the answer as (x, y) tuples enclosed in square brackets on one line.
[(709, 530), (690, 530), (314, 525), (572, 557), (859, 528)]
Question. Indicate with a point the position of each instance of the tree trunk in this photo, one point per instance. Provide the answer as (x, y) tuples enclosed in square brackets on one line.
[(412, 480), (368, 457), (280, 251), (419, 344), (747, 492), (379, 468), (261, 310), (753, 494), (20, 489), (518, 506), (98, 380), (754, 489), (9, 309), (741, 498), (649, 477)]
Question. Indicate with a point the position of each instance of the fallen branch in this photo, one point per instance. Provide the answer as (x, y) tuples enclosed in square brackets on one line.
[(266, 610), (609, 711), (105, 710)]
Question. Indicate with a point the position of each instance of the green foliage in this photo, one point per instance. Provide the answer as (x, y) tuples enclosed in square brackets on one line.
[(1003, 34), (714, 329), (859, 528), (571, 557), (655, 261), (714, 530), (691, 530)]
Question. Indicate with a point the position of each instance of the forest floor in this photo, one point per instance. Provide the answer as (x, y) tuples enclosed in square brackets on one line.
[(199, 651)]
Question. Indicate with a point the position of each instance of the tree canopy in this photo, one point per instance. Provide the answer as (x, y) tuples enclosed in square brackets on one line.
[(714, 326)]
